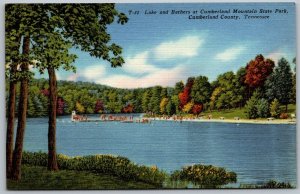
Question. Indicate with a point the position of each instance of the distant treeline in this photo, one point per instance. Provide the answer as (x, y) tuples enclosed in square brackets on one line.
[(260, 82)]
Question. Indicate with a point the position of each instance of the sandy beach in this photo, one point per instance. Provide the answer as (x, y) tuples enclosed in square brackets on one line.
[(248, 121)]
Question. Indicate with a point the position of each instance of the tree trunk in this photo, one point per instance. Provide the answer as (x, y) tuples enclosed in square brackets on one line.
[(286, 108), (22, 110), (11, 115), (10, 122), (52, 161)]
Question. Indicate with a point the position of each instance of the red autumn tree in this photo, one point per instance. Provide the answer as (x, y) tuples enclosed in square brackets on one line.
[(45, 92), (60, 106), (197, 109), (128, 108), (99, 106), (184, 97), (258, 70)]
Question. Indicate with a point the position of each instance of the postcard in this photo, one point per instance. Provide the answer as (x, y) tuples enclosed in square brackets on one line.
[(150, 96)]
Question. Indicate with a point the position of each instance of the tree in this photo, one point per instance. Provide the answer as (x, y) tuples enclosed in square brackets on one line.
[(214, 96), (251, 106), (294, 80), (275, 108), (179, 86), (60, 106), (128, 108), (22, 110), (262, 108), (13, 58), (175, 100), (188, 107), (164, 93), (52, 52), (155, 99), (31, 109), (279, 85), (114, 104), (257, 71), (197, 109), (201, 90), (79, 108), (171, 108), (99, 106), (241, 86), (145, 101), (184, 98), (227, 92), (163, 104), (71, 20)]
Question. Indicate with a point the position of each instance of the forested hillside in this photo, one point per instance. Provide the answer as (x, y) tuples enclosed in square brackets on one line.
[(257, 86)]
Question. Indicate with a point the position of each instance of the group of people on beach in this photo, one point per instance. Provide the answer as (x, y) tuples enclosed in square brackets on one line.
[(105, 117), (80, 117)]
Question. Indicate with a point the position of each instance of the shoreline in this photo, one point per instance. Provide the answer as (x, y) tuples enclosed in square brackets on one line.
[(240, 121)]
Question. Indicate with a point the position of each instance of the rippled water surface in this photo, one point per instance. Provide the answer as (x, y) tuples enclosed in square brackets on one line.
[(257, 153)]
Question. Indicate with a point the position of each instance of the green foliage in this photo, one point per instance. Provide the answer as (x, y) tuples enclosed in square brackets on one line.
[(86, 25), (294, 93), (227, 92), (263, 108), (201, 90), (79, 108), (52, 51), (279, 85), (163, 105), (107, 164), (170, 108), (70, 179), (275, 108), (145, 101), (188, 107), (178, 87), (206, 176), (114, 104), (275, 185), (155, 99), (251, 107), (257, 107)]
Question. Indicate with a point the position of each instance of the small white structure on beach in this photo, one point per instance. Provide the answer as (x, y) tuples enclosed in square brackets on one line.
[(73, 115)]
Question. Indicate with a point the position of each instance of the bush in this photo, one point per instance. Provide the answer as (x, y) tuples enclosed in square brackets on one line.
[(275, 108), (262, 108), (284, 116), (206, 176), (276, 185), (107, 164), (251, 108)]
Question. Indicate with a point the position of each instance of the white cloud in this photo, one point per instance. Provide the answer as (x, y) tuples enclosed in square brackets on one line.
[(230, 53), (93, 72), (139, 72), (275, 56), (73, 77), (139, 64), (184, 47), (162, 77)]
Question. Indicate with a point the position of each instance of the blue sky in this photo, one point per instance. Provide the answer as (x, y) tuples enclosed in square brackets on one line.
[(164, 49)]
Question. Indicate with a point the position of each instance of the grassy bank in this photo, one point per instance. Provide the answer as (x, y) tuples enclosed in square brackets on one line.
[(116, 166), (115, 172), (231, 113), (240, 112), (39, 178)]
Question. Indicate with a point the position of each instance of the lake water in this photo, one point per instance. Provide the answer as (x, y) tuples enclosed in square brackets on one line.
[(257, 153)]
